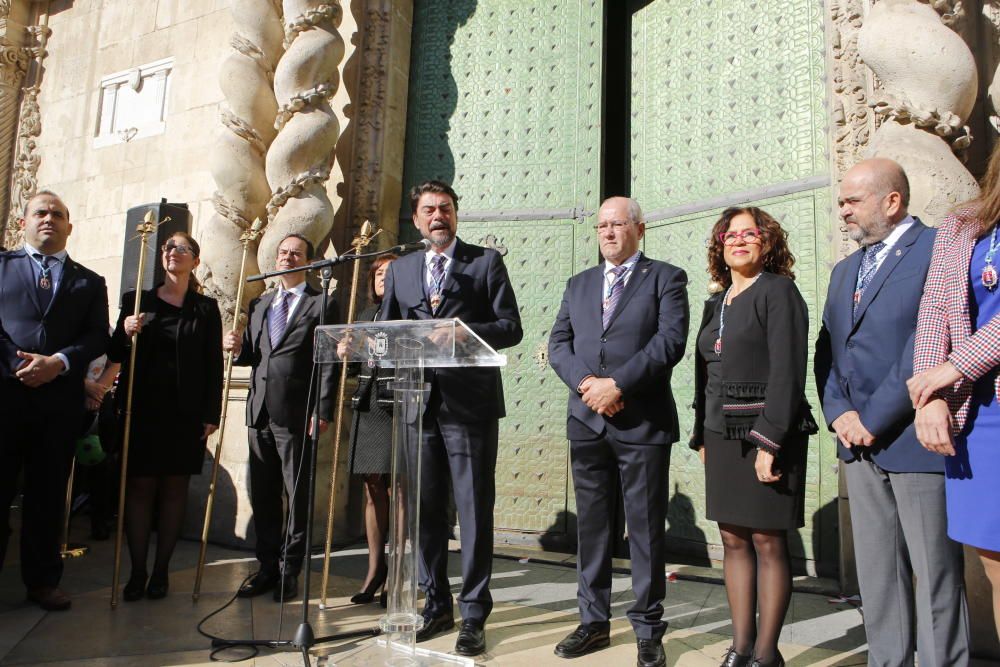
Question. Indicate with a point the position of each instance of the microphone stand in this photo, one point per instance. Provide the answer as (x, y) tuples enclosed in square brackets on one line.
[(305, 638)]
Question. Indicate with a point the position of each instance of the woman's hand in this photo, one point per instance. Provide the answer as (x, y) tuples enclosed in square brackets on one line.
[(95, 391), (923, 385), (209, 430), (133, 323), (933, 423), (764, 465)]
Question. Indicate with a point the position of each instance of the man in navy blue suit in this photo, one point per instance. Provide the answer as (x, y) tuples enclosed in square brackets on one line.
[(53, 323), (620, 331), (864, 356), (461, 418)]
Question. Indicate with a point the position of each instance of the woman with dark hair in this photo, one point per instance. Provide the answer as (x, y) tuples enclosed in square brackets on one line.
[(371, 443), (752, 422), (956, 383), (176, 403)]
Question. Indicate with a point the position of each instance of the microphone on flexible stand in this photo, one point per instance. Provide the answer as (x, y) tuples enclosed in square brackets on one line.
[(422, 244)]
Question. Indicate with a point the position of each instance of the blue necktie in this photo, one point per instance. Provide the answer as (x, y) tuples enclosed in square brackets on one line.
[(611, 303), (867, 271), (278, 318)]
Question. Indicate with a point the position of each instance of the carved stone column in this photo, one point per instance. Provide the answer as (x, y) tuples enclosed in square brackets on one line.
[(14, 60)]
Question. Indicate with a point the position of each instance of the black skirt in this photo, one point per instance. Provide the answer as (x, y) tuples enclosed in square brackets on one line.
[(734, 495), (371, 439)]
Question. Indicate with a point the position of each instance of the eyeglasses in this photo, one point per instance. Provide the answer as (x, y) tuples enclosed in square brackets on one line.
[(178, 248), (747, 236), (617, 225)]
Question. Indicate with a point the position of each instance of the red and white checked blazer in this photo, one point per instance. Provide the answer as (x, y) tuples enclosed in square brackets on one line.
[(944, 325)]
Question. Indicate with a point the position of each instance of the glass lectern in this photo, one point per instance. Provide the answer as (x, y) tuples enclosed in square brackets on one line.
[(404, 349)]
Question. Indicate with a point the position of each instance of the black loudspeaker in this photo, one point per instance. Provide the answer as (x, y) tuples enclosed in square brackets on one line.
[(169, 219)]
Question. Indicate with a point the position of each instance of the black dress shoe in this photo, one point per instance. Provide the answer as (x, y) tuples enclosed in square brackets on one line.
[(734, 659), (651, 653), (583, 640), (135, 588), (435, 625), (777, 662), (259, 583), (287, 588), (157, 587), (471, 638)]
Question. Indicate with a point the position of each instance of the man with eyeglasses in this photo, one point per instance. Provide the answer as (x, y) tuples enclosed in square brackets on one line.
[(864, 356), (53, 323), (278, 344), (621, 329)]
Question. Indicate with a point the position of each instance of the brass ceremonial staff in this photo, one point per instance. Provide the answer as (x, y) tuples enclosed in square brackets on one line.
[(248, 237), (144, 229), (359, 243)]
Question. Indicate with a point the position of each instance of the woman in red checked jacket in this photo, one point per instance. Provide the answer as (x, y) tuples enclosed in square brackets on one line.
[(956, 366)]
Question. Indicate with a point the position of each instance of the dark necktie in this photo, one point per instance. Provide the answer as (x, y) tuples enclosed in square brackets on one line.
[(867, 271), (611, 303), (44, 286), (437, 278), (278, 318)]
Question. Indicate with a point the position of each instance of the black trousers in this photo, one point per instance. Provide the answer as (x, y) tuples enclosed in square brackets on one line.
[(642, 469), (39, 439), (276, 459), (467, 452)]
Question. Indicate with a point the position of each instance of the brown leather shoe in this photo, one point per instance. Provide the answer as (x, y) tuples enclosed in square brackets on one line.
[(50, 598)]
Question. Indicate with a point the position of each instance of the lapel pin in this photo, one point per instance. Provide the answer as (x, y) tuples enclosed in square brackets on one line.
[(645, 270), (898, 252)]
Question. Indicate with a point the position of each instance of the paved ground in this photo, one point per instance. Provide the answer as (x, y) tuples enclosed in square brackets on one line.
[(535, 608)]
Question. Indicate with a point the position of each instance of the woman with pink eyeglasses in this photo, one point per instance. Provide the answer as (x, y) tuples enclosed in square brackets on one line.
[(752, 422)]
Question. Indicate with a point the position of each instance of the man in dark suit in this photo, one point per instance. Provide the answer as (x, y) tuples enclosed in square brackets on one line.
[(456, 279), (621, 329), (864, 356), (278, 344), (53, 323)]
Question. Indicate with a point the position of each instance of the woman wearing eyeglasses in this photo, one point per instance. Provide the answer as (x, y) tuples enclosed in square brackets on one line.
[(752, 422), (176, 404)]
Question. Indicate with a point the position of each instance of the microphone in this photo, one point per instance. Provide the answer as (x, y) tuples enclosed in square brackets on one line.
[(422, 244)]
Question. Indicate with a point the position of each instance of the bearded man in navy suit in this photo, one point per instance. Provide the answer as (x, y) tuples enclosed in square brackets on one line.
[(53, 323), (461, 418), (621, 329)]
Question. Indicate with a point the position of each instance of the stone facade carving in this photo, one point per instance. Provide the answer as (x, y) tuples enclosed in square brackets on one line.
[(927, 89), (299, 159), (246, 77)]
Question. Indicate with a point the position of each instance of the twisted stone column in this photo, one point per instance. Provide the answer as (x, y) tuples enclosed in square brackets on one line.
[(237, 164), (928, 90), (299, 160)]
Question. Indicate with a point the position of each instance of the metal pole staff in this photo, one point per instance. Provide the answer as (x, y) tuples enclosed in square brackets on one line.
[(249, 236), (144, 229), (359, 243)]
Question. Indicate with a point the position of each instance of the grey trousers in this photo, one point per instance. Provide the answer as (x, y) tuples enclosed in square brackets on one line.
[(900, 535)]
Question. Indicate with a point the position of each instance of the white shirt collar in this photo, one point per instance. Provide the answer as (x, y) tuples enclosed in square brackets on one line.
[(31, 250), (628, 263), (898, 231), (296, 291), (448, 253)]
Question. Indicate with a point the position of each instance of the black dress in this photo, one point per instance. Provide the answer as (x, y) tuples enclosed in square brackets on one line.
[(371, 426), (178, 382), (733, 493)]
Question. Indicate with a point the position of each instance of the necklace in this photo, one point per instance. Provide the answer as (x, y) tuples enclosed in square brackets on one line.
[(989, 275), (722, 315)]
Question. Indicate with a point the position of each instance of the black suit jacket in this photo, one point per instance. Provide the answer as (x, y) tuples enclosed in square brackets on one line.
[(279, 387), (199, 356), (640, 347), (478, 292), (75, 324)]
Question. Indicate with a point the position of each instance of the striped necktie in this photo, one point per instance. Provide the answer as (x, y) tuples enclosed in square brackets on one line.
[(44, 286), (278, 319), (614, 294)]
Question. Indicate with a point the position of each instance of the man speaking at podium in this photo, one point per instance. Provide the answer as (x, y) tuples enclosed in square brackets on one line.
[(456, 279)]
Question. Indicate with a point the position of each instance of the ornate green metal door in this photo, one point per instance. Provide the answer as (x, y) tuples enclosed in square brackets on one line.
[(504, 103), (728, 108)]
